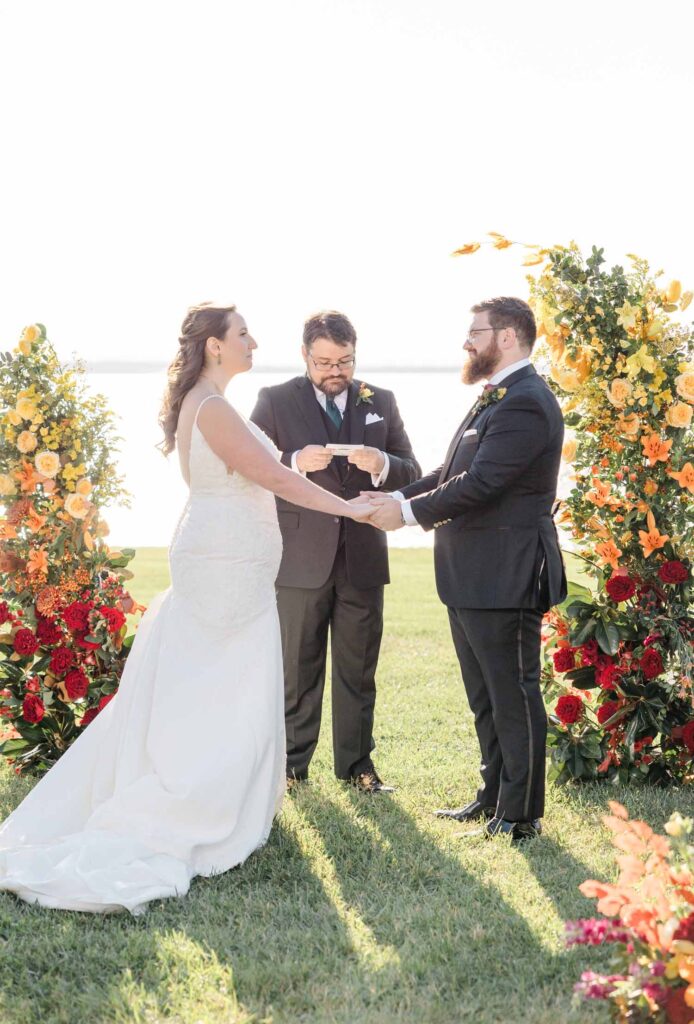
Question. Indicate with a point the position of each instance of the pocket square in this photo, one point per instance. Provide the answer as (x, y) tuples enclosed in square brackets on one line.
[(469, 433), (373, 417)]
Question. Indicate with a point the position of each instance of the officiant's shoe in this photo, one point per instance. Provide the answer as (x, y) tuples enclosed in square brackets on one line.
[(368, 781), (471, 812), (519, 831)]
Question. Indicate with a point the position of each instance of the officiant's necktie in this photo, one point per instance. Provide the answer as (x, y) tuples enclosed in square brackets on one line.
[(333, 412)]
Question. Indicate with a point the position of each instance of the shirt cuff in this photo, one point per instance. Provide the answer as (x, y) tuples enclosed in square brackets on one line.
[(407, 514), (294, 465), (379, 479)]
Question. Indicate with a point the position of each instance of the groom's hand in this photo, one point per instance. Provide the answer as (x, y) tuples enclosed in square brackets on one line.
[(387, 512), (370, 460), (313, 458)]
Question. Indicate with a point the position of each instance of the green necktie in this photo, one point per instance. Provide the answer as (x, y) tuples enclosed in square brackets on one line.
[(333, 412)]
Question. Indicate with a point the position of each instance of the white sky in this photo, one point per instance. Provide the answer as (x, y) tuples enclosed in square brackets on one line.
[(294, 154)]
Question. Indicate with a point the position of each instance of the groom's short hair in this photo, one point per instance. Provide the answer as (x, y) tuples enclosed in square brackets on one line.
[(506, 311), (329, 324)]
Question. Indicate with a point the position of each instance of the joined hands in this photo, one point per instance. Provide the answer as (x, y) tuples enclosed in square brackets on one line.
[(382, 510)]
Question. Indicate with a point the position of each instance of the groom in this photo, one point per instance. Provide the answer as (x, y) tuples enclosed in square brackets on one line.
[(497, 559), (333, 570)]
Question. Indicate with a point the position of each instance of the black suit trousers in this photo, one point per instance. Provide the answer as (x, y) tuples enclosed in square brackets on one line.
[(499, 655), (354, 617)]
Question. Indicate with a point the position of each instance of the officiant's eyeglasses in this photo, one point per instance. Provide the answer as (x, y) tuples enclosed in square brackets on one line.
[(325, 364)]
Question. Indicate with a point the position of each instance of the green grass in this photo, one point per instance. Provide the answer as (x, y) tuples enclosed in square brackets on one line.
[(359, 910)]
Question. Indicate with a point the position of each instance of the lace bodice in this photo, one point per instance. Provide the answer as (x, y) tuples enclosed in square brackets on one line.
[(227, 547)]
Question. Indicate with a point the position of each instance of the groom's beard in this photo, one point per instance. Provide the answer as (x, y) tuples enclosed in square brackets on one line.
[(481, 366)]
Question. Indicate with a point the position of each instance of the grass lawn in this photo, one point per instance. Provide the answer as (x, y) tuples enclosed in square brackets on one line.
[(359, 909)]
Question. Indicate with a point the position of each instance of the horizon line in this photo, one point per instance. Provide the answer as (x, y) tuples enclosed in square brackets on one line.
[(124, 366)]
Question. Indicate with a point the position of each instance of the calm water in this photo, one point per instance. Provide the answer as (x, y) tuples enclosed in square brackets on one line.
[(431, 404)]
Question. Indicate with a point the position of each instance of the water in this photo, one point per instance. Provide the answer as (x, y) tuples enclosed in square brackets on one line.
[(431, 404)]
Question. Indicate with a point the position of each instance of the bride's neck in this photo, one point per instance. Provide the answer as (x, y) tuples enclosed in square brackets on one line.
[(217, 382)]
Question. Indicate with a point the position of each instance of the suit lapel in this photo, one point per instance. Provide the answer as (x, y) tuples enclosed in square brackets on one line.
[(453, 446), (357, 415), (310, 410)]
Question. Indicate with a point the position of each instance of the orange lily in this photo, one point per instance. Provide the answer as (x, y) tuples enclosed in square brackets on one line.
[(655, 449), (26, 477), (685, 477), (651, 539), (35, 521), (38, 561), (608, 553)]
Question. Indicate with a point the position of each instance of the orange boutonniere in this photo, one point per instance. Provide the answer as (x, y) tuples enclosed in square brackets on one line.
[(365, 394)]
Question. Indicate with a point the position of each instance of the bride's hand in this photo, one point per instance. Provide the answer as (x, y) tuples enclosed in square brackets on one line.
[(359, 510)]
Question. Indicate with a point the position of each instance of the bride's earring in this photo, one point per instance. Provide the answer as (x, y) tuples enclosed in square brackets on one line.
[(219, 359)]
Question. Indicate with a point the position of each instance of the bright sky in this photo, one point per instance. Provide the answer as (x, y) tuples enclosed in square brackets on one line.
[(295, 155)]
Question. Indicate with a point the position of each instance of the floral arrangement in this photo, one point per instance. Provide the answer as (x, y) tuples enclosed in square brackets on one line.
[(618, 653), (63, 611), (649, 923)]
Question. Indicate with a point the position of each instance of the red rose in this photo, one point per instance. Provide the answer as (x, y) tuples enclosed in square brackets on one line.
[(688, 736), (607, 710), (89, 716), (61, 660), (620, 588), (569, 709), (25, 643), (76, 684), (48, 631), (76, 616), (685, 929), (5, 613), (590, 652), (564, 659), (651, 663), (33, 685), (33, 709), (606, 675), (673, 572), (105, 700), (114, 618)]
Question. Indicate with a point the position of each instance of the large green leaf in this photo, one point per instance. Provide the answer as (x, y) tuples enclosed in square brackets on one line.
[(607, 635), (582, 678), (583, 633)]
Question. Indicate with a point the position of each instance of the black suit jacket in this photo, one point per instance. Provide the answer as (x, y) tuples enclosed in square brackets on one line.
[(290, 415), (491, 502)]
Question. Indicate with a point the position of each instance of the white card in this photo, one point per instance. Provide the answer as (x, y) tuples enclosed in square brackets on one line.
[(343, 449)]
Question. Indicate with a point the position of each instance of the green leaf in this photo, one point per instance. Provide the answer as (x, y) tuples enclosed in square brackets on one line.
[(582, 678), (11, 747), (583, 633), (607, 636)]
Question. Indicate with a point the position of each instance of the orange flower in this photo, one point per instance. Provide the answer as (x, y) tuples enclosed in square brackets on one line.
[(651, 539), (655, 449), (650, 487), (26, 477), (48, 601), (38, 561), (685, 477), (35, 521), (628, 425), (600, 495), (8, 531), (499, 241), (608, 553)]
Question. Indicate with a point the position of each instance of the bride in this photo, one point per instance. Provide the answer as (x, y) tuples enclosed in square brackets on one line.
[(182, 773)]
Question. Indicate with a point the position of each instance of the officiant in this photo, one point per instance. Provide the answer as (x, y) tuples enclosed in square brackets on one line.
[(347, 436)]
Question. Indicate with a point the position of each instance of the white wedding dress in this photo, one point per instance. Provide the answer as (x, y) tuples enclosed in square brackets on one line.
[(182, 773)]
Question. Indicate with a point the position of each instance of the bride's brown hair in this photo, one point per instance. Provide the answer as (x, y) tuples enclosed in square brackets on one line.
[(200, 323)]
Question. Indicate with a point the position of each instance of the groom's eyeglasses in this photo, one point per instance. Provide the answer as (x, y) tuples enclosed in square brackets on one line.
[(478, 330), (325, 364)]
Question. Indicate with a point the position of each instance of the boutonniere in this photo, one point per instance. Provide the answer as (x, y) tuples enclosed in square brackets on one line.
[(365, 394), (491, 396)]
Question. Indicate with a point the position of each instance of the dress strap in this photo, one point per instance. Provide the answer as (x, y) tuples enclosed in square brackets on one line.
[(206, 399)]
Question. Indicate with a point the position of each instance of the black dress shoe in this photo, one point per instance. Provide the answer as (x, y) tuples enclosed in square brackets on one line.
[(294, 780), (471, 812), (367, 781), (519, 831)]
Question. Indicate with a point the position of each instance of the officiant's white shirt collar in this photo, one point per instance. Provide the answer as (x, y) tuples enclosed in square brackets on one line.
[(508, 370), (340, 400)]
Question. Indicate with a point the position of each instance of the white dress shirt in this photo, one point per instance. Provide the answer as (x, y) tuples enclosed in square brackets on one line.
[(341, 402), (495, 380)]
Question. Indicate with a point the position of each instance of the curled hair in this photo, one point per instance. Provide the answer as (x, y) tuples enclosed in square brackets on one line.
[(507, 311), (200, 323)]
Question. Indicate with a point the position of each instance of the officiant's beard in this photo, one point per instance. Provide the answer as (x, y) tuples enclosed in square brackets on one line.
[(481, 366), (332, 387)]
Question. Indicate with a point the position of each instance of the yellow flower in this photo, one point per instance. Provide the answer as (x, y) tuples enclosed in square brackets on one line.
[(569, 450), (83, 486), (627, 316), (679, 415), (26, 442), (640, 361), (26, 409), (674, 291), (13, 417), (7, 485), (686, 299), (47, 464), (619, 392), (654, 329), (499, 241), (29, 336), (77, 506), (684, 385), (566, 379)]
